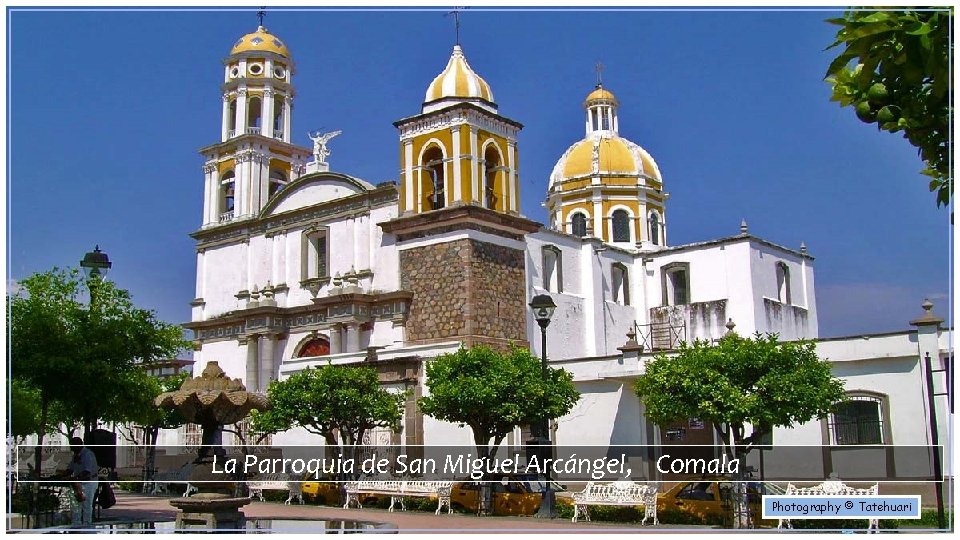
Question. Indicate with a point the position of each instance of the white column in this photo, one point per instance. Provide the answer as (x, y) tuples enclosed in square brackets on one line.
[(336, 340), (253, 363), (514, 193), (240, 184), (245, 265), (287, 110), (616, 123), (457, 184), (200, 274), (408, 181), (353, 337), (597, 216), (589, 114), (210, 192), (225, 125), (475, 158), (241, 118), (269, 349), (266, 122)]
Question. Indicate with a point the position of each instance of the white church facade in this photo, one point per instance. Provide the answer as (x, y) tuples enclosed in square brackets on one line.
[(299, 265)]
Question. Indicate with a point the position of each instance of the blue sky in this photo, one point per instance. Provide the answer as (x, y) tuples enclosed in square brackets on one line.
[(106, 111)]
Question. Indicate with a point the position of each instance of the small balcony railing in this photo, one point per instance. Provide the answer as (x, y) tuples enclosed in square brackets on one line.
[(661, 336), (226, 216), (278, 134)]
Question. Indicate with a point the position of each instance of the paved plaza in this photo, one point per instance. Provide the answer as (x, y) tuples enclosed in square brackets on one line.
[(157, 508)]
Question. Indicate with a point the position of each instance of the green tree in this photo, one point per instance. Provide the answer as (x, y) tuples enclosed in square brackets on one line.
[(339, 403), (493, 393), (151, 419), (895, 71), (83, 359), (738, 384), (24, 409)]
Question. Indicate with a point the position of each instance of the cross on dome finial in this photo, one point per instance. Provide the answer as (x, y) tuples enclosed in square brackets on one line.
[(456, 17), (599, 67), (260, 14)]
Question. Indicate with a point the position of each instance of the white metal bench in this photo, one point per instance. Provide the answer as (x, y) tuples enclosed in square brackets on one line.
[(620, 493), (163, 481), (398, 489), (276, 481), (831, 488)]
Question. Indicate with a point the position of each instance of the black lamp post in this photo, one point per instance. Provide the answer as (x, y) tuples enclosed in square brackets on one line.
[(543, 307), (96, 263)]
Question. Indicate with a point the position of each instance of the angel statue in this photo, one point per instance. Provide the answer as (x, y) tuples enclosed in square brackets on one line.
[(320, 140)]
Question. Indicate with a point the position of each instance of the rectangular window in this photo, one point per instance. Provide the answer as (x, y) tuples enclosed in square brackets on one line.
[(552, 269), (676, 284), (620, 284), (857, 421), (315, 259)]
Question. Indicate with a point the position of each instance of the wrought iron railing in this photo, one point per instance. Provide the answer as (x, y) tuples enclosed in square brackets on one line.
[(662, 336)]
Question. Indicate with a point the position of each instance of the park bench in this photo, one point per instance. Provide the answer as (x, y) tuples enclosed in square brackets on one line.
[(276, 481), (831, 488), (398, 489), (165, 480), (620, 493)]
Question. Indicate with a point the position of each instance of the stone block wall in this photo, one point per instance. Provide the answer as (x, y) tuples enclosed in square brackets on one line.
[(465, 289)]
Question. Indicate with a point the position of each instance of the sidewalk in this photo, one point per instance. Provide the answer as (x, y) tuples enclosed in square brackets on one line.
[(157, 508)]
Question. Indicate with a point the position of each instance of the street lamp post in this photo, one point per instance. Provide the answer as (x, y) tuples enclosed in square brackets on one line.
[(543, 307), (95, 264)]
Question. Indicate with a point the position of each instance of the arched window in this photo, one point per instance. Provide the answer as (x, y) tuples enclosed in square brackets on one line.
[(859, 420), (432, 180), (578, 224), (318, 346), (783, 283), (226, 195), (277, 181), (620, 284), (621, 226), (493, 190), (253, 115), (552, 269), (654, 228)]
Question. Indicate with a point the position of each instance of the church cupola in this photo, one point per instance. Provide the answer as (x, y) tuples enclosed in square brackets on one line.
[(458, 150), (601, 107), (606, 186), (258, 89), (255, 157)]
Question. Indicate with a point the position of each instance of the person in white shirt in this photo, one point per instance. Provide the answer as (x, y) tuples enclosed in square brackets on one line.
[(83, 468)]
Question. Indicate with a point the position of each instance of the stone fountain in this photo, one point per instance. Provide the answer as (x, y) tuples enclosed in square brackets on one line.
[(211, 400)]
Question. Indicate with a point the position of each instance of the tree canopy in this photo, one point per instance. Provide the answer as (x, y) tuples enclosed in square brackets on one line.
[(737, 382), (894, 69), (84, 360), (493, 393), (331, 401)]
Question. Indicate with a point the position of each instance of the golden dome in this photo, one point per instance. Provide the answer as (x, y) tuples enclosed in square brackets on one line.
[(458, 80), (604, 155), (258, 41), (600, 94)]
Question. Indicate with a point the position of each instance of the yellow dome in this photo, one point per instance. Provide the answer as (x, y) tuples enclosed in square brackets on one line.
[(600, 94), (458, 80), (604, 155), (261, 40)]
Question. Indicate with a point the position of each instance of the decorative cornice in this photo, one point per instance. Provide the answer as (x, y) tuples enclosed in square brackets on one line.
[(355, 307), (235, 231), (459, 218)]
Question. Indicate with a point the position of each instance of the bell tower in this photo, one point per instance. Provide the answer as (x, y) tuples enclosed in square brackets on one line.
[(255, 157), (459, 232), (458, 150)]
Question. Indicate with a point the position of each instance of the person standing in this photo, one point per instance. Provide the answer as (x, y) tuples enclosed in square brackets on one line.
[(83, 468)]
